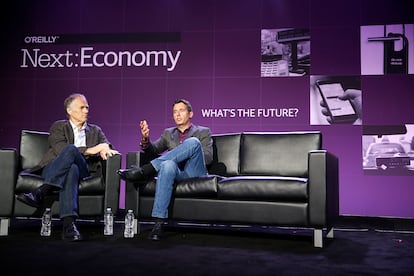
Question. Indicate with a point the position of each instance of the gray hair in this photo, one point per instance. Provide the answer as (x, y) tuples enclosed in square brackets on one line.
[(68, 101)]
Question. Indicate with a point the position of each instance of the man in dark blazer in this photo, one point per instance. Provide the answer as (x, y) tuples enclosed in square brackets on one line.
[(189, 148), (75, 148)]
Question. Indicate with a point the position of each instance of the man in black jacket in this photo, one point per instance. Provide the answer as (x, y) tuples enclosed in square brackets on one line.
[(74, 150)]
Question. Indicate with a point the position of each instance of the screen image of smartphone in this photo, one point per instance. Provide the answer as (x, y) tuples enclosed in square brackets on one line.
[(341, 111)]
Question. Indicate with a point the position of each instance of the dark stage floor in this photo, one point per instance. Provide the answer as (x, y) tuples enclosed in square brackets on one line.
[(362, 246)]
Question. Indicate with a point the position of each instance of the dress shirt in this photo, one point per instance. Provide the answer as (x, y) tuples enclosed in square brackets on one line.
[(79, 135)]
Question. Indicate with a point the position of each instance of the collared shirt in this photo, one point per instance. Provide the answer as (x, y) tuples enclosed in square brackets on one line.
[(79, 135), (184, 134)]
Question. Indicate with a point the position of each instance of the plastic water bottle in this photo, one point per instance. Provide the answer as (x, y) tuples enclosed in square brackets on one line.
[(108, 222), (129, 224), (46, 229)]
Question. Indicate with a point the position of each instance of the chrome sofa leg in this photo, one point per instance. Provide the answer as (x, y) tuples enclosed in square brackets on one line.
[(330, 233), (136, 227), (317, 238), (4, 226)]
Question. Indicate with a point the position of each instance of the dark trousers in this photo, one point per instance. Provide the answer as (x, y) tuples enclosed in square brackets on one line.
[(65, 173)]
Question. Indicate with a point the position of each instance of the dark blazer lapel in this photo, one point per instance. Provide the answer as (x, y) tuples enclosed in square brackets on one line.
[(175, 137), (88, 134), (69, 132), (192, 130)]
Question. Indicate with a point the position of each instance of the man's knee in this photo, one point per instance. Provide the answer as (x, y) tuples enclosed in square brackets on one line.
[(70, 149), (168, 166), (74, 171), (193, 141)]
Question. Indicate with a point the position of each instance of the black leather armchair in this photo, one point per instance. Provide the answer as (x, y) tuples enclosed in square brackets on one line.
[(95, 193)]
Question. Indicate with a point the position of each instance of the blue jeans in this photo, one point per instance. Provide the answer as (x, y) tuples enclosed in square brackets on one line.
[(65, 173), (167, 166)]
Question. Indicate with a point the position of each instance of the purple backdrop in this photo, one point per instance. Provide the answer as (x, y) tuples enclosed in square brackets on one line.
[(218, 70)]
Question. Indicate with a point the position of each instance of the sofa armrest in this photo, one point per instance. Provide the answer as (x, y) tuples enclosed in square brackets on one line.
[(112, 182), (323, 188), (131, 191), (8, 177), (133, 158)]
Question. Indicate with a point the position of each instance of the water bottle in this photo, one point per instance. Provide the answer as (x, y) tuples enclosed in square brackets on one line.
[(129, 224), (46, 229), (108, 222)]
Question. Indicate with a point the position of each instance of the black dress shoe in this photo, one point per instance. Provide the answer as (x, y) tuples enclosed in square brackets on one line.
[(156, 232), (71, 233), (134, 173), (35, 198), (31, 199)]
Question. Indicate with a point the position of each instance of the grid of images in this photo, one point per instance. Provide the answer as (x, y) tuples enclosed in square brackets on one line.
[(385, 49)]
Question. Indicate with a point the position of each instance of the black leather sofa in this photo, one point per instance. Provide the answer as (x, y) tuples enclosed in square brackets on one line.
[(95, 193), (274, 179)]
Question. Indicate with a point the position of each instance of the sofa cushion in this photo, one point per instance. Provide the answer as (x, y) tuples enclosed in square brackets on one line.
[(277, 154), (265, 188), (226, 149), (33, 146), (198, 187)]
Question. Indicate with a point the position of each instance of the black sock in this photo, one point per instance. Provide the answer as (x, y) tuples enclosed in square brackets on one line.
[(148, 170), (160, 220), (68, 220), (46, 189)]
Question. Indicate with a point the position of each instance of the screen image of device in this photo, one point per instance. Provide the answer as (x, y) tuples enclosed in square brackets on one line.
[(341, 111)]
